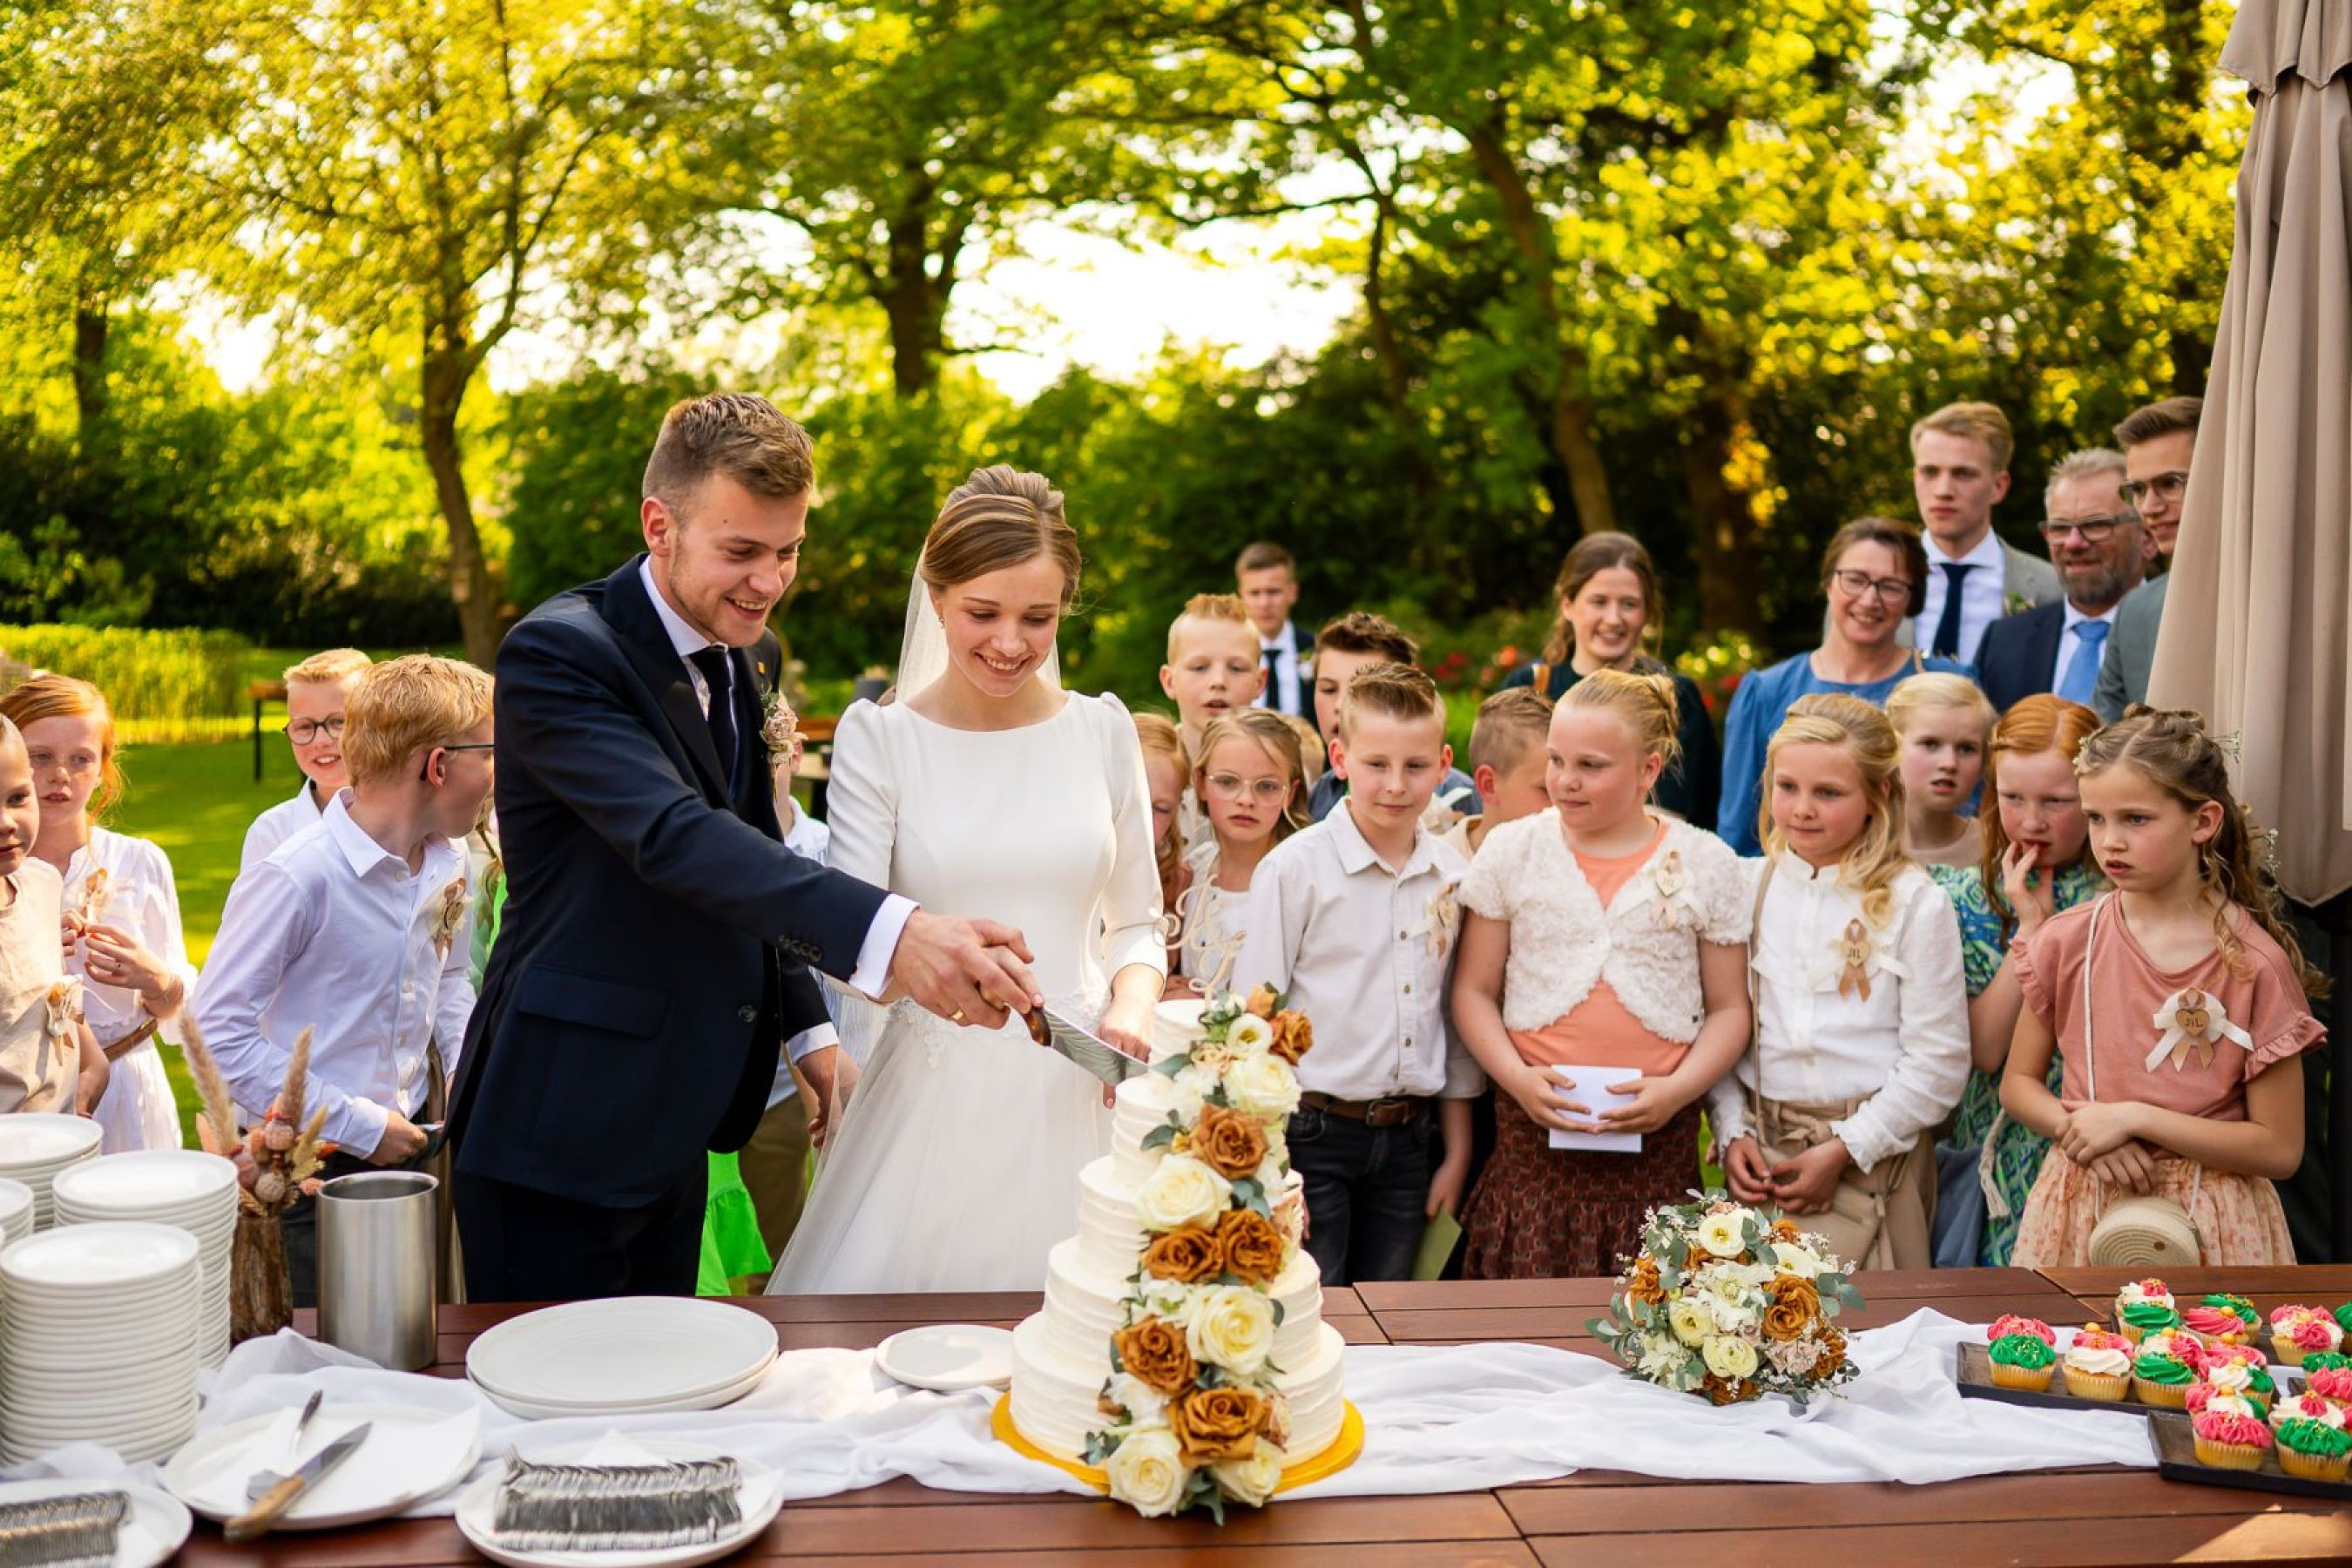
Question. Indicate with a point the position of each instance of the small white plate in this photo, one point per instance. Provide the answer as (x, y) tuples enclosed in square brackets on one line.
[(626, 1353), (948, 1358), (352, 1493), (156, 1527), (761, 1496)]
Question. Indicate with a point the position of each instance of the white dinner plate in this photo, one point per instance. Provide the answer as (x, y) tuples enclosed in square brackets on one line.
[(948, 1358), (156, 1527), (352, 1493), (626, 1353), (40, 1140), (95, 1388), (105, 1260), (132, 1184), (760, 1497), (145, 1317), (531, 1411)]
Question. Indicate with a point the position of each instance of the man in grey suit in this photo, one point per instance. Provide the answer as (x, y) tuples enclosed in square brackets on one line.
[(1959, 471), (2157, 441)]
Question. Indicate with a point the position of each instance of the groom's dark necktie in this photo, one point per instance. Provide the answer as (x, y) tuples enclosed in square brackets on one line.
[(716, 674)]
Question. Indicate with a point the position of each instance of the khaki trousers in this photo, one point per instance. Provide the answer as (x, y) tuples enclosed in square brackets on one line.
[(1878, 1219), (775, 1171)]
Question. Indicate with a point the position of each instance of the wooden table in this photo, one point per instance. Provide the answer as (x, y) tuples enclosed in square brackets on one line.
[(2076, 1517)]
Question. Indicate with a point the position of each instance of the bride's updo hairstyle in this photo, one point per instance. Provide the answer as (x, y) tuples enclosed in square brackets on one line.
[(1000, 517)]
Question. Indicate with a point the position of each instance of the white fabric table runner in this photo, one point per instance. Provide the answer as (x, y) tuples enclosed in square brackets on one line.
[(1436, 1418)]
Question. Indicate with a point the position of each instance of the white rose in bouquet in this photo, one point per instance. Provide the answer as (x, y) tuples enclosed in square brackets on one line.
[(1148, 1474), (1180, 1191), (1690, 1319), (1252, 1480), (1729, 1357), (1233, 1329), (1263, 1086), (1721, 1234), (1798, 1259)]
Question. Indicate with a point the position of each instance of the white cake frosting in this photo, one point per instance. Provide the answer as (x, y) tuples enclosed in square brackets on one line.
[(1061, 1357)]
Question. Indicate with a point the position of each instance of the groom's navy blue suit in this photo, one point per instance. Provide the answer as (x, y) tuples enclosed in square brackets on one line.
[(652, 955)]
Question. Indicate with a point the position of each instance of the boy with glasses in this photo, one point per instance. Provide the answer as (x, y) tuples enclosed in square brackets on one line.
[(2101, 550), (315, 690), (2158, 442), (356, 929)]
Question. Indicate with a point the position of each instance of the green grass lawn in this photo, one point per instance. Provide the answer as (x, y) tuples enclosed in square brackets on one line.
[(196, 801)]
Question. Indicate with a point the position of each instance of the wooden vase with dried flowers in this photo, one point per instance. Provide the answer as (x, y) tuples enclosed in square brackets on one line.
[(277, 1162)]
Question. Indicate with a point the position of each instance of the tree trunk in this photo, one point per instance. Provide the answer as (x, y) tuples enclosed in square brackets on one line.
[(445, 373), (1723, 522), (261, 1299), (90, 323), (914, 303)]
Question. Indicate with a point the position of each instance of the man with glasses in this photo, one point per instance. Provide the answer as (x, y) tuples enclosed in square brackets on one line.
[(2157, 441), (314, 726), (2100, 550)]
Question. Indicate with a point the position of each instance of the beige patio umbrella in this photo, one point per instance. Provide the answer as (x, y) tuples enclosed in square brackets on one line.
[(2257, 630)]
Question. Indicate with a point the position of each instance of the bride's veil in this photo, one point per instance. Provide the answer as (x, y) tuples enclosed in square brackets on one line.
[(923, 647)]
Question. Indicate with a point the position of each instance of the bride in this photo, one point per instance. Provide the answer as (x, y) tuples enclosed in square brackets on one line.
[(985, 787)]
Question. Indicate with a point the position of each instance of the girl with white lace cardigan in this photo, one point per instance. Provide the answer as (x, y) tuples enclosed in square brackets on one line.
[(1861, 1024), (1602, 933)]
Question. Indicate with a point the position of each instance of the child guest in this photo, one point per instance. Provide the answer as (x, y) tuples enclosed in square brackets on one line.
[(356, 928), (2177, 1006), (50, 1061), (2036, 861), (1167, 774), (315, 690), (1942, 721), (1213, 669), (1355, 918), (1252, 785), (1344, 648), (1602, 933), (1506, 764), (1862, 1038), (121, 908)]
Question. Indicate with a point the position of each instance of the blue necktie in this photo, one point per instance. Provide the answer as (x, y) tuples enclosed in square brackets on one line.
[(2082, 676), (1947, 625)]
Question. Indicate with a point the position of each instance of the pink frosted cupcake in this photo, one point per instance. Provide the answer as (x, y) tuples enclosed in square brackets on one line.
[(2299, 1331), (2205, 1396), (2230, 1441), (2216, 1325), (2010, 1324), (2305, 1407), (2332, 1383), (2179, 1343), (2098, 1366)]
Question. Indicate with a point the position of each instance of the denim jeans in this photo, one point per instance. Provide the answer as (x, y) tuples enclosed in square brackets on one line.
[(1367, 1192)]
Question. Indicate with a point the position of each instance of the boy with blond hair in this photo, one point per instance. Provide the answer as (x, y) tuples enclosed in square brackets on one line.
[(315, 690), (1347, 646), (1508, 743), (355, 929), (1355, 918), (1213, 669)]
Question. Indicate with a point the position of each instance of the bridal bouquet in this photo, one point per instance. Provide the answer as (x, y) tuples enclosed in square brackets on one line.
[(1195, 1418), (1727, 1302)]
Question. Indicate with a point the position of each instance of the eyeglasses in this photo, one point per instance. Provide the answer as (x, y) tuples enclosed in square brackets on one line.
[(302, 732), (1862, 584), (424, 770), (2094, 530), (1232, 786), (2164, 487)]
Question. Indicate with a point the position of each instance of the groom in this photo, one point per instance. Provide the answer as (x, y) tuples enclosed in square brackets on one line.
[(657, 936)]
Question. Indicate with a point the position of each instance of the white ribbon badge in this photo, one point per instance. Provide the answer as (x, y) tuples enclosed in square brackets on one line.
[(2193, 1018)]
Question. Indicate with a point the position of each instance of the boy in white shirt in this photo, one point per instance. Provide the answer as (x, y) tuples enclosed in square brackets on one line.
[(356, 929), (1355, 918), (315, 690)]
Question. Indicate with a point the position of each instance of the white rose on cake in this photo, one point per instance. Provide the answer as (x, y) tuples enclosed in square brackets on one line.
[(1145, 1405), (1233, 1329), (1148, 1474), (1167, 1299), (1193, 1085), (1251, 1035), (1263, 1086), (1251, 1480), (1180, 1191)]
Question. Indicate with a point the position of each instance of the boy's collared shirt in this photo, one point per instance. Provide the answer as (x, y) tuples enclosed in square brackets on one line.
[(273, 827), (1364, 953), (333, 933)]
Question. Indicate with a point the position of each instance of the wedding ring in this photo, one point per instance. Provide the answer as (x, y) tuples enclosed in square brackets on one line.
[(956, 1017)]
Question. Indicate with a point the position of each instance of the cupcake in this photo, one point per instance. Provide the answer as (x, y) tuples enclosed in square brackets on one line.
[(2305, 1407), (2314, 1450), (2332, 1383), (2204, 1396), (2344, 1317), (2216, 1321), (2320, 1360), (2299, 1331), (2021, 1361), (2179, 1343), (2161, 1380), (2230, 1441), (2137, 1320), (2249, 1382), (2098, 1365), (2002, 1327), (2138, 1290)]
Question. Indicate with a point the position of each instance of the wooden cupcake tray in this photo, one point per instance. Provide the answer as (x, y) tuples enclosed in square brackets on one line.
[(2175, 1458), (1974, 1374)]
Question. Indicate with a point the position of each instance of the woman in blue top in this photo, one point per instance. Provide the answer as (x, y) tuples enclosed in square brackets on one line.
[(1873, 572)]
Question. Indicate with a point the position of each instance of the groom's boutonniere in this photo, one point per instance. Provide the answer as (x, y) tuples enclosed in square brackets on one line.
[(780, 729)]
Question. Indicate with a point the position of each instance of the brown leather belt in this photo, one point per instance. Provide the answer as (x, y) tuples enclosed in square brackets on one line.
[(1393, 1111)]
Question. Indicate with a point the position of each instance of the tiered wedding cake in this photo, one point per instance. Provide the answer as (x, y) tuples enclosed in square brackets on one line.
[(1215, 1241)]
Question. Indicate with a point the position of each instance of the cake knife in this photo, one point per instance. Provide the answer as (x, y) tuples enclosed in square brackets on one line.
[(1089, 1050)]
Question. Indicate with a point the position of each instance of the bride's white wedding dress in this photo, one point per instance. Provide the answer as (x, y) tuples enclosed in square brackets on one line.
[(956, 1165)]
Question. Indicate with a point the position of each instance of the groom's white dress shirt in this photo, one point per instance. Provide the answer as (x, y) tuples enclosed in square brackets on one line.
[(873, 972)]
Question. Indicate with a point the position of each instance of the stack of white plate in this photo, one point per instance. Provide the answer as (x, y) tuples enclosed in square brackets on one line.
[(100, 1344), (186, 1188), (34, 1147), (628, 1355), (16, 1211)]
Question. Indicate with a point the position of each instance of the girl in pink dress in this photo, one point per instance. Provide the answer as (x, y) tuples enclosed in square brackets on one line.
[(2177, 1003)]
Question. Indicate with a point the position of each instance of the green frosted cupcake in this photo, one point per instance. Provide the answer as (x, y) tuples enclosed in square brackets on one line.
[(2314, 1450), (2022, 1361), (2138, 1319), (2162, 1379)]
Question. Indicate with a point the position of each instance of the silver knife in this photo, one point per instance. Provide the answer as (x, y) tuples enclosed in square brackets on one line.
[(1089, 1050), (278, 1493)]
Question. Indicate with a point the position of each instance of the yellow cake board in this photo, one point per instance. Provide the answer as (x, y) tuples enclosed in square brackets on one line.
[(1329, 1462)]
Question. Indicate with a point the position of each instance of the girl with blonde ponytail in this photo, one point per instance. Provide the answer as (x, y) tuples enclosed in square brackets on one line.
[(2177, 1003), (1602, 934), (1861, 1041)]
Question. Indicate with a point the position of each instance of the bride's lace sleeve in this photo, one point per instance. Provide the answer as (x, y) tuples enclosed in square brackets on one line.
[(1130, 902), (862, 800)]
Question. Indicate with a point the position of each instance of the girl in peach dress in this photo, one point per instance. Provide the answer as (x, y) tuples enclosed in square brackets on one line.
[(2177, 1003)]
